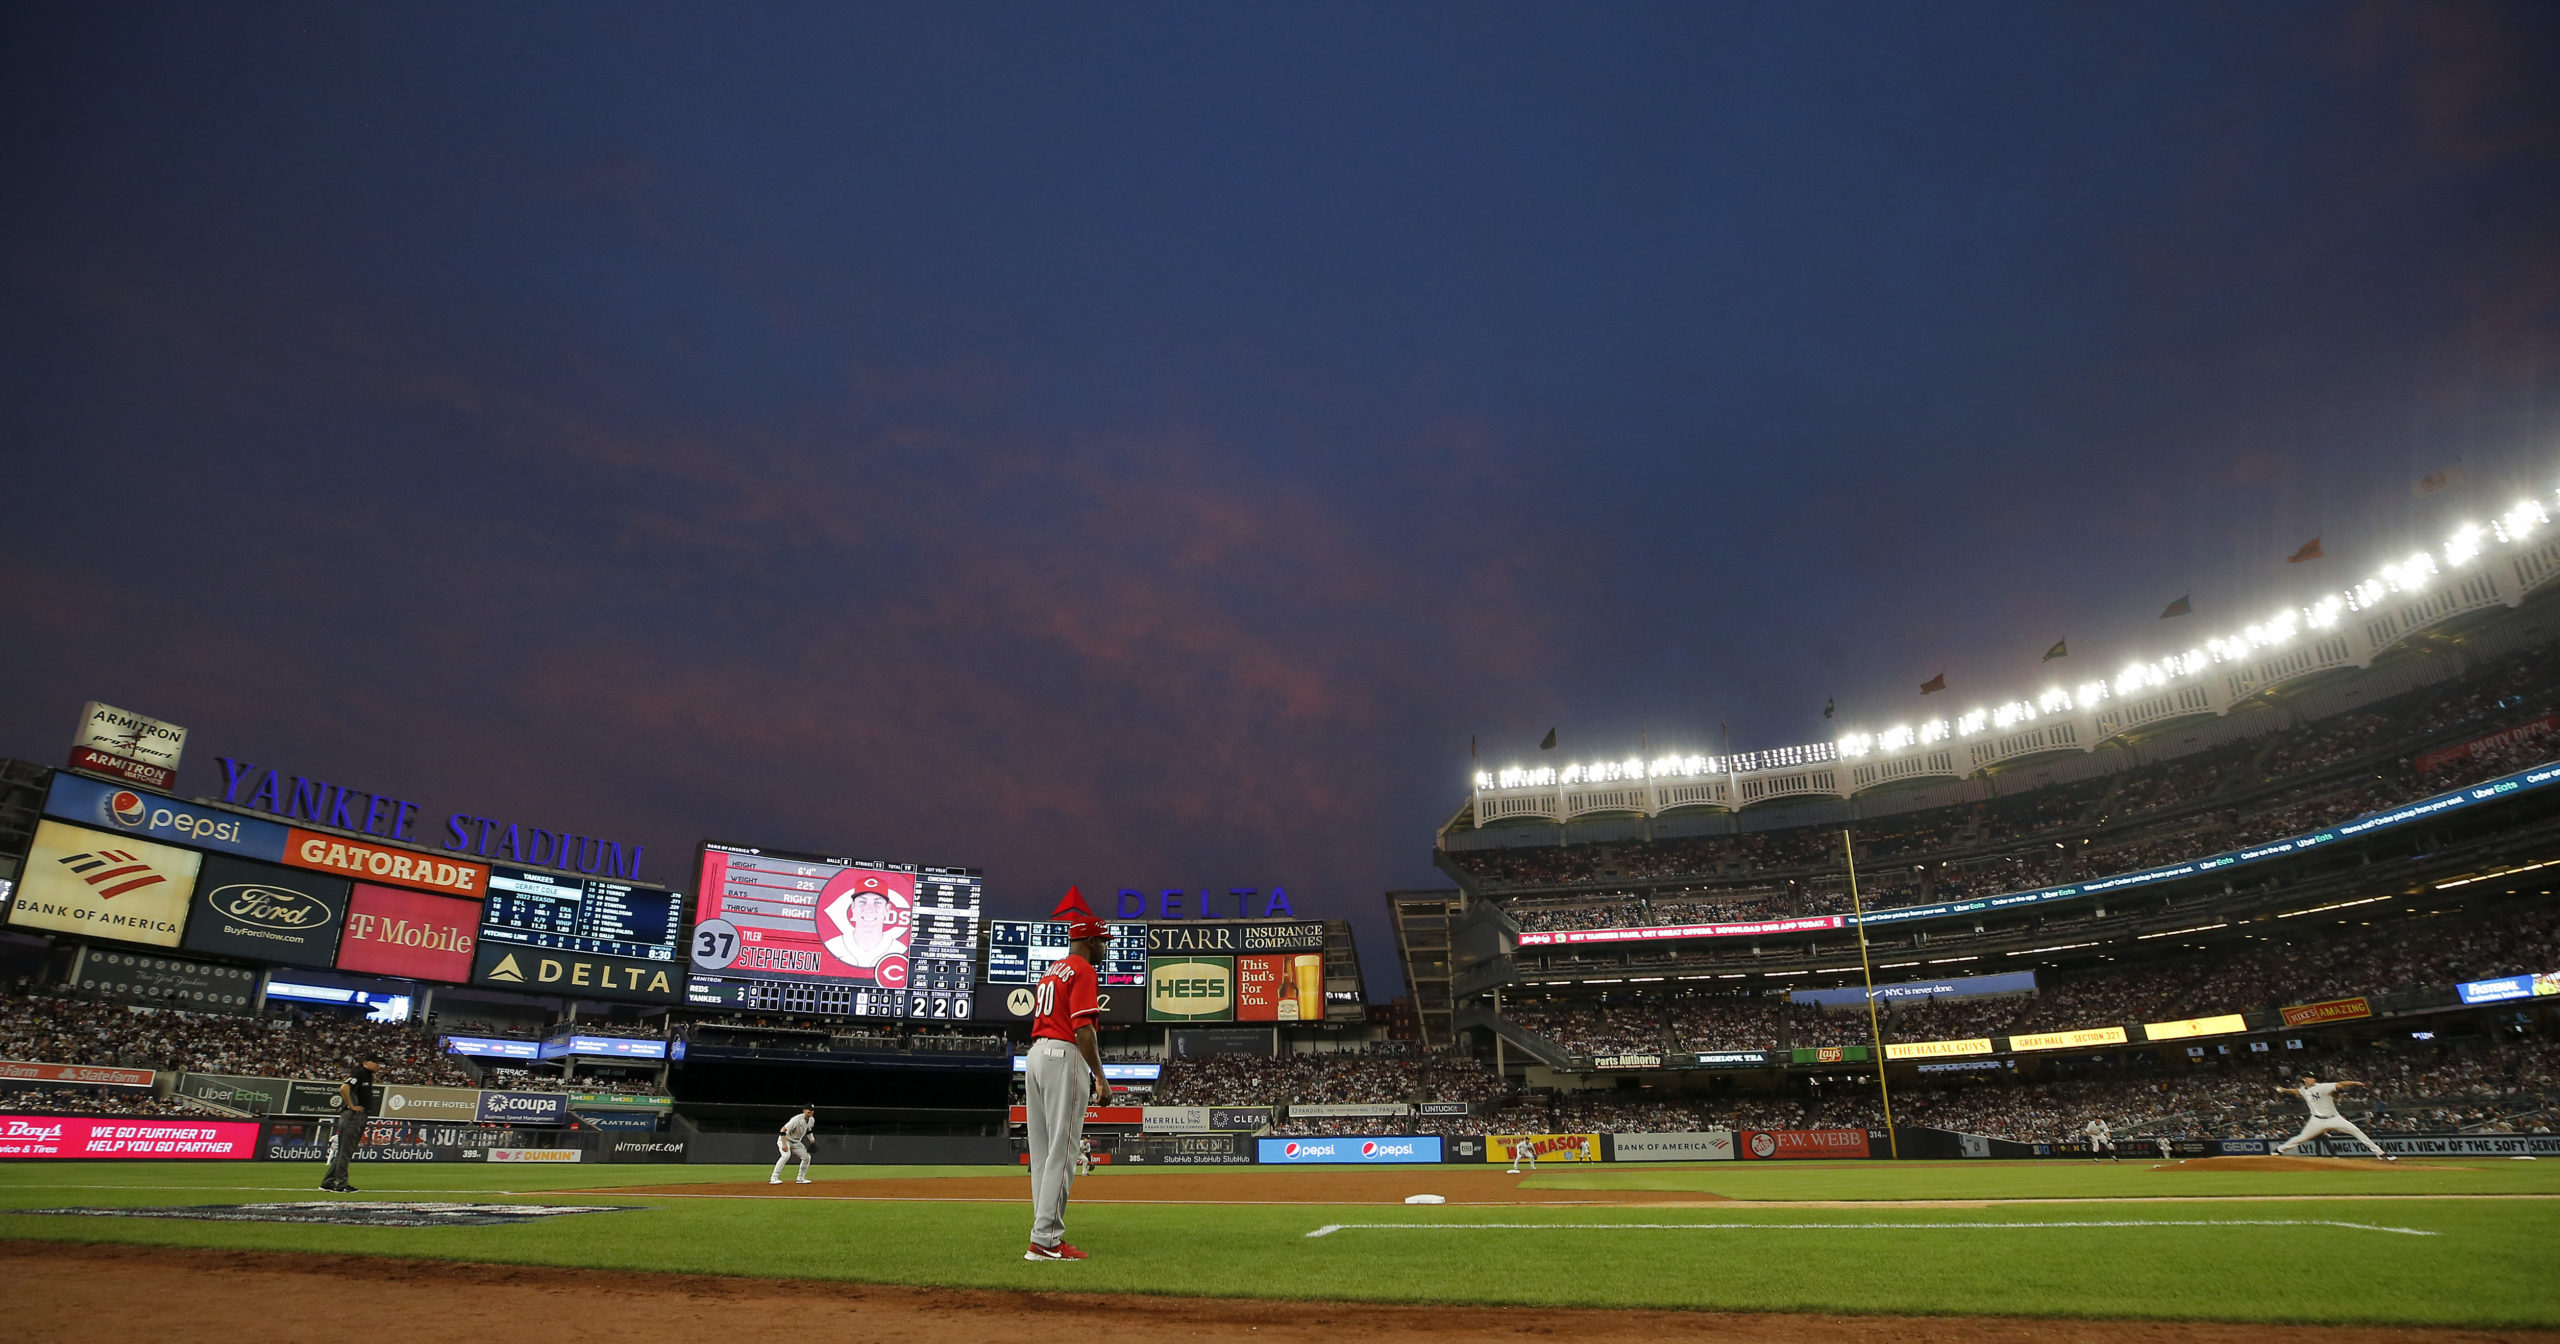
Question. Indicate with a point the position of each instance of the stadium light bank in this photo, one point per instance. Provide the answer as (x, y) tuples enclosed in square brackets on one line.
[(2477, 566)]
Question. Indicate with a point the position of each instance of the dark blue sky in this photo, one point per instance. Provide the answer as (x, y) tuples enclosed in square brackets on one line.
[(1139, 445)]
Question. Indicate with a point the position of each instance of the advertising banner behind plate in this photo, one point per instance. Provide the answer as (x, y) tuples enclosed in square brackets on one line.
[(156, 980), (1385, 1148), (81, 1075), (524, 1108), (123, 1136), (416, 1104), (409, 933), (267, 912), (104, 886), (1793, 1143), (106, 807), (1711, 1145), (135, 737)]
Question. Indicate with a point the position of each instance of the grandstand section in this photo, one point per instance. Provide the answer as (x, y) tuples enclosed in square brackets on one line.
[(2150, 921)]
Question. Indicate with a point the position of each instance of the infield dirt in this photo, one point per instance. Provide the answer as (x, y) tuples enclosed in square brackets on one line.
[(66, 1293)]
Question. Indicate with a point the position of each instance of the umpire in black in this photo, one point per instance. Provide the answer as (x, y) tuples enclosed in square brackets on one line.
[(359, 1097)]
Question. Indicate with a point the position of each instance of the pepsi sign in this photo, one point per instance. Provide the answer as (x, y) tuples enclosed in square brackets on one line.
[(113, 807), (1389, 1148)]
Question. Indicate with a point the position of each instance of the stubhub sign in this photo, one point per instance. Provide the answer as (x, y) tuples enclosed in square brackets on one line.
[(1390, 1148)]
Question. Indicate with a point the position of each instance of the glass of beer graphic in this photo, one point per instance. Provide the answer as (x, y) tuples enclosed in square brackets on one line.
[(1307, 969)]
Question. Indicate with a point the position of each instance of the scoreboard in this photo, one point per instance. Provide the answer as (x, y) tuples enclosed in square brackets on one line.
[(810, 933), (1019, 952), (581, 914)]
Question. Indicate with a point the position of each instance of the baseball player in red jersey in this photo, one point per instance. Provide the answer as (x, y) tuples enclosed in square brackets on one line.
[(1063, 1073)]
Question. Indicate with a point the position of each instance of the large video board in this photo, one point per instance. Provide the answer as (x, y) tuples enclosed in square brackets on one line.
[(812, 933), (1019, 952)]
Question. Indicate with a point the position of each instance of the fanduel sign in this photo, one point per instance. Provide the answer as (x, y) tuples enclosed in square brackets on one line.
[(366, 812)]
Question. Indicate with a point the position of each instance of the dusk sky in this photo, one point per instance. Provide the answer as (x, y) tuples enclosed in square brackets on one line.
[(1140, 445)]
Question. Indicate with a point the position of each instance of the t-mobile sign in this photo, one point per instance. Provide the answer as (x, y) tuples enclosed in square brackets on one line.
[(409, 934)]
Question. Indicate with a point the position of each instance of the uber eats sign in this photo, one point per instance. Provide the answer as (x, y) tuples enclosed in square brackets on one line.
[(1191, 989)]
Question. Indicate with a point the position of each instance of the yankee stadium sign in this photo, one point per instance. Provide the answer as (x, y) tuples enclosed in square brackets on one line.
[(367, 812)]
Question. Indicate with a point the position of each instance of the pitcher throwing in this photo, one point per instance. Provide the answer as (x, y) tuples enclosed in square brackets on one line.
[(2322, 1098)]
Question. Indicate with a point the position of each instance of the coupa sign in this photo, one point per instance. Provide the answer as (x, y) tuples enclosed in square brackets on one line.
[(523, 1108), (261, 789)]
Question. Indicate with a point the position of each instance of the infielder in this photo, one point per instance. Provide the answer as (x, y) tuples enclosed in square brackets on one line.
[(1524, 1150), (793, 1142), (1063, 1072), (1084, 1156), (2322, 1098), (2101, 1137)]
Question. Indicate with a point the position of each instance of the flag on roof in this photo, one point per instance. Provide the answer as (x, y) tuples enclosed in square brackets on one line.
[(1934, 684), (2181, 607), (2310, 551), (2057, 651), (1549, 742)]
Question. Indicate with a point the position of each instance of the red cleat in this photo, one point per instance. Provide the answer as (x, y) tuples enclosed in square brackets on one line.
[(1061, 1251)]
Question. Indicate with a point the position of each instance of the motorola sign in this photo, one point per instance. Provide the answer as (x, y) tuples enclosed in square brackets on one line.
[(523, 1108)]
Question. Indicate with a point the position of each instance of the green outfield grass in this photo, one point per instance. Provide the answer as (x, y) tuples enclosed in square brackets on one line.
[(2488, 1262)]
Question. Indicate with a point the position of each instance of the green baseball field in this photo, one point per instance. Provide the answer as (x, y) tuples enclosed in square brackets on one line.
[(2471, 1243)]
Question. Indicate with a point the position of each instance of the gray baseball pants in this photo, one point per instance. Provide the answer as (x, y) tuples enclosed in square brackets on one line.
[(1056, 1085), (343, 1143)]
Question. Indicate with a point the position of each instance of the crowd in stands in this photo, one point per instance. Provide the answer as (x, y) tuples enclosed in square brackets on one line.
[(1334, 1076), (2235, 794), (2320, 963), (52, 1028), (523, 1080), (95, 1101)]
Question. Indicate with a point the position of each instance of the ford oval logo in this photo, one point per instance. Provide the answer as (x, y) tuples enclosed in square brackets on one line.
[(266, 907)]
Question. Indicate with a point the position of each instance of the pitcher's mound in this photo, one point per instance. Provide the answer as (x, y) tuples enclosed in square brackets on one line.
[(2275, 1164)]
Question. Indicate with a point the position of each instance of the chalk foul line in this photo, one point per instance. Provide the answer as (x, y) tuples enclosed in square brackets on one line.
[(1330, 1228)]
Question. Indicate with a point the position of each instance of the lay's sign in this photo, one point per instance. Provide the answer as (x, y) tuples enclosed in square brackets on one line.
[(1191, 989)]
